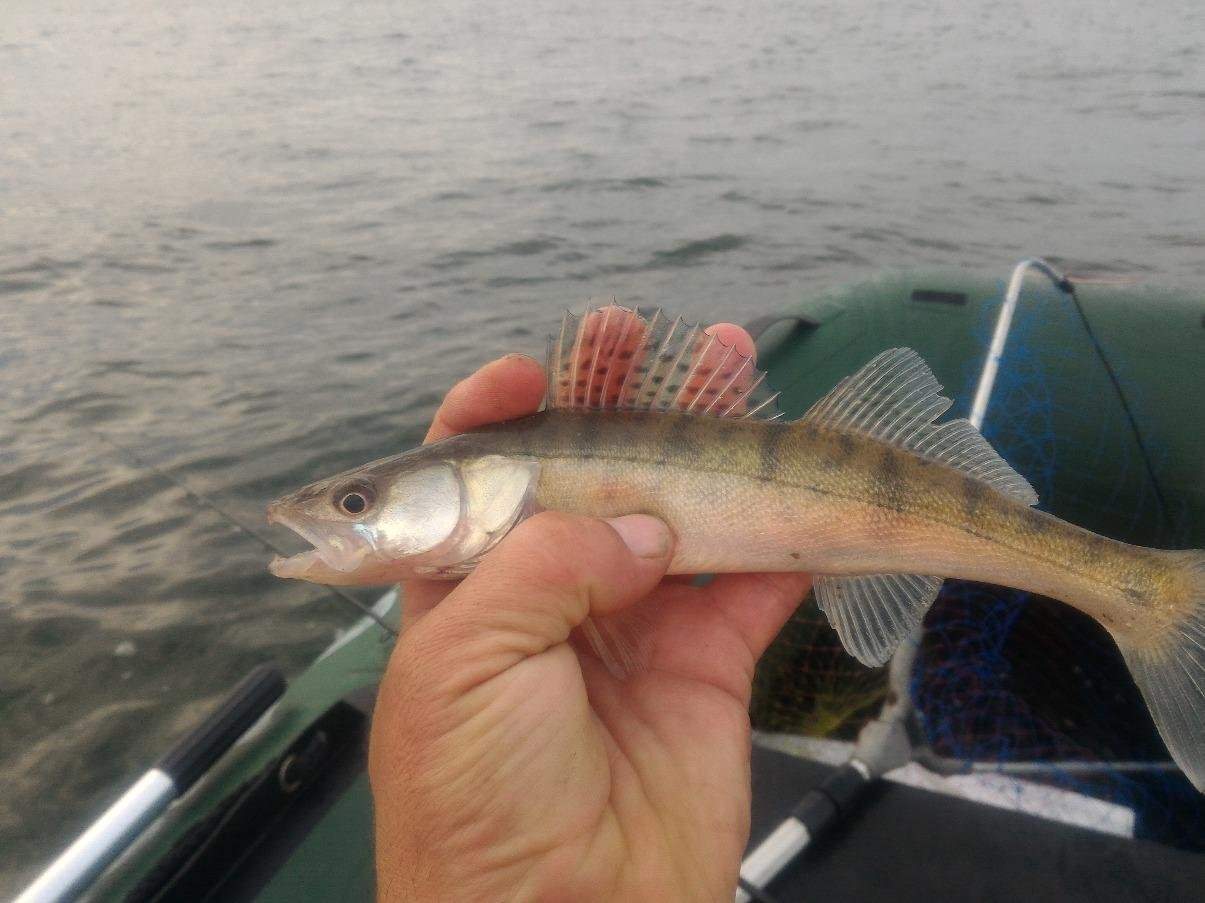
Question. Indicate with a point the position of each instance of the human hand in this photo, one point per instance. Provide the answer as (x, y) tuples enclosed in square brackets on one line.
[(507, 764)]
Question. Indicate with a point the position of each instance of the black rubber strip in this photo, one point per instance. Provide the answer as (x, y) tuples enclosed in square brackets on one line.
[(204, 745), (844, 786), (758, 326), (833, 799), (816, 811), (933, 296)]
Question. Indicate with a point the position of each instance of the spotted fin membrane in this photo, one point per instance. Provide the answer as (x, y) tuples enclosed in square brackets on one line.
[(620, 359)]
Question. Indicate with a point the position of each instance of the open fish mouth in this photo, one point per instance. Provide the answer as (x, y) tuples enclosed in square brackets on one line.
[(340, 553), (295, 565)]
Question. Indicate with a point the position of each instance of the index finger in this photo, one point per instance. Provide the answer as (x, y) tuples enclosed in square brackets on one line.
[(514, 386), (510, 387)]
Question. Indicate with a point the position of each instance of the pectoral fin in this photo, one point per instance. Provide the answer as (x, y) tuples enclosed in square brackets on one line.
[(872, 613), (622, 641)]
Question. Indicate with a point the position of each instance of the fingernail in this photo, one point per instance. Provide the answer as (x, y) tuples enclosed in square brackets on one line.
[(646, 536), (517, 356)]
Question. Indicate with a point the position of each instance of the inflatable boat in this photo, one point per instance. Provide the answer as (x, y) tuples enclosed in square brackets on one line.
[(1004, 754)]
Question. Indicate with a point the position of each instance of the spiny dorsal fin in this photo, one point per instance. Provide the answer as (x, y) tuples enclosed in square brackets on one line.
[(895, 398), (872, 613), (615, 358)]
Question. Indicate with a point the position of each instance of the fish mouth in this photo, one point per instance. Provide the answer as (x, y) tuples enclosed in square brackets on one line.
[(340, 553), (295, 566)]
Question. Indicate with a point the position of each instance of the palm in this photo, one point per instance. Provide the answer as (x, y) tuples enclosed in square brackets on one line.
[(639, 786), (677, 739)]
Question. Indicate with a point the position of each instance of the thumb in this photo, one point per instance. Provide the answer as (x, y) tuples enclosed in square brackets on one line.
[(545, 578)]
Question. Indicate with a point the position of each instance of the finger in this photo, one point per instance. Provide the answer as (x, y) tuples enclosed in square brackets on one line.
[(726, 358), (758, 605), (542, 581), (510, 387), (735, 337), (420, 596)]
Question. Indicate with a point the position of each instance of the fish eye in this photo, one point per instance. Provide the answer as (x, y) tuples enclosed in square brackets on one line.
[(353, 500)]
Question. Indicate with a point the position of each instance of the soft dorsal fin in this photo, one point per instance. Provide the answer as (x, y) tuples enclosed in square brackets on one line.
[(895, 398), (616, 358)]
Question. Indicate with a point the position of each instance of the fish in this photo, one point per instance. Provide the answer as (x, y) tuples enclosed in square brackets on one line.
[(868, 491)]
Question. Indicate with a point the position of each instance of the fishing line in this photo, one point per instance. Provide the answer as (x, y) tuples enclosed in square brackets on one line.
[(1069, 288), (206, 502)]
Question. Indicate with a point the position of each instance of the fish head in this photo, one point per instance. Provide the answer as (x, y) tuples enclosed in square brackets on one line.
[(418, 514)]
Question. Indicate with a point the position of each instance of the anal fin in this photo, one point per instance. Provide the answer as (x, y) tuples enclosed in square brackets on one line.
[(873, 613)]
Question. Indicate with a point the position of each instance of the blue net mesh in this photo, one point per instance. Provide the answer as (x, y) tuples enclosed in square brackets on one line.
[(1007, 677), (1002, 676)]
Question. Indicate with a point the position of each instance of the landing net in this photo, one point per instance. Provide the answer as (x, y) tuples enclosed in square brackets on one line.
[(1004, 677)]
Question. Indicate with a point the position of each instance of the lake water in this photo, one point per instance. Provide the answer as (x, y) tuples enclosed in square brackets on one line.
[(249, 244)]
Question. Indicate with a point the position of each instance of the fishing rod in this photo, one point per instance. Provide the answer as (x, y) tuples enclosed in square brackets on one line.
[(206, 501)]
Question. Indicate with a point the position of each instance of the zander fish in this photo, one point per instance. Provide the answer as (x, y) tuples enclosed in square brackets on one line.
[(866, 491)]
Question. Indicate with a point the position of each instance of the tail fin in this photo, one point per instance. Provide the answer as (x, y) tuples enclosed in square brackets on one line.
[(1170, 672)]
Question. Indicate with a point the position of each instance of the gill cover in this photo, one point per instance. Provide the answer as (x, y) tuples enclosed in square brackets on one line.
[(494, 492)]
